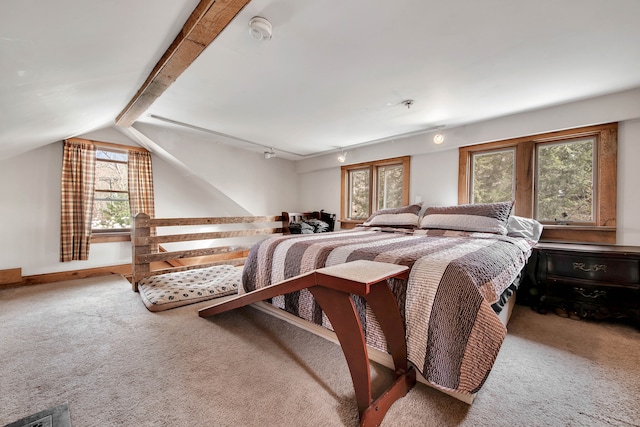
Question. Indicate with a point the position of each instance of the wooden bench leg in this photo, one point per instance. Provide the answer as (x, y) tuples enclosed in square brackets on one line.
[(343, 316), (384, 306), (339, 308)]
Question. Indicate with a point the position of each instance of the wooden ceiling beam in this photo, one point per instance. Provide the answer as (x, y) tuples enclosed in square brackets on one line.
[(206, 22)]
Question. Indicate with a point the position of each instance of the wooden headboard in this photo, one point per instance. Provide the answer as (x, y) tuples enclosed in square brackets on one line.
[(293, 217)]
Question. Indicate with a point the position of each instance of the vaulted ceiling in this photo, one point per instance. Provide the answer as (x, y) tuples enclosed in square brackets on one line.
[(334, 74)]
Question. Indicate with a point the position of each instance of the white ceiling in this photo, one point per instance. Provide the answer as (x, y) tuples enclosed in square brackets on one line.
[(333, 75)]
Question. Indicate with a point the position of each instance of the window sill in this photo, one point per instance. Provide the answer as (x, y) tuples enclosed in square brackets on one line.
[(578, 233), (111, 237)]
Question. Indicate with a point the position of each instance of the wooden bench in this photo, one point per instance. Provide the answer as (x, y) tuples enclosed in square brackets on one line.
[(332, 288)]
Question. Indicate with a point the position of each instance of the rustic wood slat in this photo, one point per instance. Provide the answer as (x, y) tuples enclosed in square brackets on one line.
[(183, 260), (142, 240), (234, 262), (170, 222), (167, 256)]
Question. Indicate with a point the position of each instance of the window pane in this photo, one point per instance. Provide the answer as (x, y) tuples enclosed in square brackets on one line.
[(111, 155), (111, 214), (111, 201), (359, 194), (111, 176), (493, 176), (564, 181), (389, 186)]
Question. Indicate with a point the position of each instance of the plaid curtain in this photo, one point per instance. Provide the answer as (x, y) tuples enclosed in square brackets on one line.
[(78, 183), (141, 186)]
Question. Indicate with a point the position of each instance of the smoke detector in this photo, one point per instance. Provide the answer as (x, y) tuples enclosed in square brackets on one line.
[(260, 28)]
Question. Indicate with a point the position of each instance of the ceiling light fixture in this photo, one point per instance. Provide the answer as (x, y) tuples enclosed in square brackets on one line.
[(260, 28), (269, 154), (438, 138), (342, 156)]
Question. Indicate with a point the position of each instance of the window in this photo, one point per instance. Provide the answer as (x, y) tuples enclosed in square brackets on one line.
[(102, 185), (111, 210), (494, 176), (368, 187), (566, 180)]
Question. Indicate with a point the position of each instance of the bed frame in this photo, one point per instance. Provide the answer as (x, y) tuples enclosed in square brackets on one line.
[(146, 263)]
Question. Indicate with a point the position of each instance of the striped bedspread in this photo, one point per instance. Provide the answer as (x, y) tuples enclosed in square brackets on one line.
[(453, 335)]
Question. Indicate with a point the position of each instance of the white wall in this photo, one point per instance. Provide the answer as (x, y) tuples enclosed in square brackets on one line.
[(628, 208), (207, 178), (30, 213), (434, 169), (233, 182), (251, 184)]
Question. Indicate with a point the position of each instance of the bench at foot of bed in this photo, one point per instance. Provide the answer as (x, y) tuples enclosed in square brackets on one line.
[(332, 288)]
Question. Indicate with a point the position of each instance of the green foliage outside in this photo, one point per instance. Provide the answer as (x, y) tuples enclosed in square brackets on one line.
[(389, 187), (111, 205), (493, 177), (112, 215), (388, 191), (565, 182), (359, 194)]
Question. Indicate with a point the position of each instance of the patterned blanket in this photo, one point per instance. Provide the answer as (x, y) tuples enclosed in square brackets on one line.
[(453, 335)]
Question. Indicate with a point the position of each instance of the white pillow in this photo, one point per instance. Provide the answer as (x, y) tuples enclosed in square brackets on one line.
[(528, 228)]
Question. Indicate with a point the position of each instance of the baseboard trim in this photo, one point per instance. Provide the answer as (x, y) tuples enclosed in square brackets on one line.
[(10, 276), (40, 279)]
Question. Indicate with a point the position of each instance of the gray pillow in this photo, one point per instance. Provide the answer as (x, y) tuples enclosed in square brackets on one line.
[(480, 217), (404, 217)]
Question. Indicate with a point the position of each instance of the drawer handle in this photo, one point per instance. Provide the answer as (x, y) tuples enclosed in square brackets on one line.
[(595, 294), (581, 266)]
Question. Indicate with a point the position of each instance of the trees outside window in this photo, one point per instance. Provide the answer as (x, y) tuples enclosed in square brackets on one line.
[(390, 186), (494, 176), (565, 179), (564, 182), (371, 186), (111, 201)]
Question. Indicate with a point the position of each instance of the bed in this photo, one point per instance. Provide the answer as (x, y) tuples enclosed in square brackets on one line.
[(464, 262)]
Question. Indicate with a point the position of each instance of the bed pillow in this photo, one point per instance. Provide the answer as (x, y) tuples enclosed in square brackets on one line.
[(481, 217), (404, 217), (524, 227)]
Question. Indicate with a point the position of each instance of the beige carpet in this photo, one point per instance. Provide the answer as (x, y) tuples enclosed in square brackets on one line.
[(93, 344)]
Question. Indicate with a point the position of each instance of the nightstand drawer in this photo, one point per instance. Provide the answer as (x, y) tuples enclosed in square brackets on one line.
[(595, 268)]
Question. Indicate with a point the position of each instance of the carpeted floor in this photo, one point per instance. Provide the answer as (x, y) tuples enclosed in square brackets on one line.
[(93, 344)]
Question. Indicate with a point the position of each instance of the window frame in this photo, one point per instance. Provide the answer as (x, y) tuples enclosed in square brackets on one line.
[(594, 178), (604, 228), (373, 166), (111, 231), (117, 235)]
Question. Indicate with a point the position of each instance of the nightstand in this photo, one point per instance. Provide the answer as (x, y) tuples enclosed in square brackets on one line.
[(588, 281)]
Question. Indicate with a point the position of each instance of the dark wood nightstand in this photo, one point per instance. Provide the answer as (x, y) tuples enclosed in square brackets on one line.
[(588, 281)]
